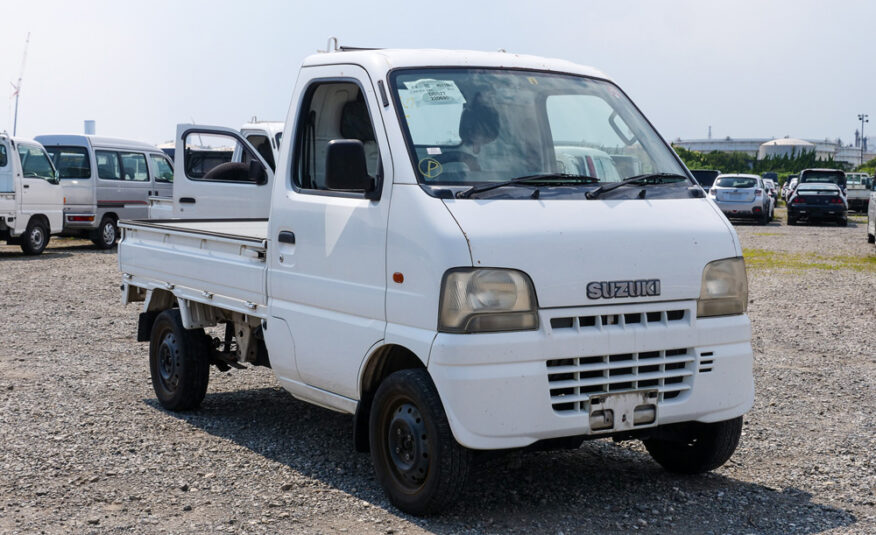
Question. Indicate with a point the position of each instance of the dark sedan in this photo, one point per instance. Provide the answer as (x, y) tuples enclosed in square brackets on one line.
[(818, 202)]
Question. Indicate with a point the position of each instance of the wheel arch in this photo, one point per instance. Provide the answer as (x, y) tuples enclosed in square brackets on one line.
[(380, 364)]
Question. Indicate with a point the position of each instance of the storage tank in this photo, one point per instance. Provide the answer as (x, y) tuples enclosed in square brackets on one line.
[(785, 146)]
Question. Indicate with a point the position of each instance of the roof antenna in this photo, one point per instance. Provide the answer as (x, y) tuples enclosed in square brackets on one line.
[(330, 46)]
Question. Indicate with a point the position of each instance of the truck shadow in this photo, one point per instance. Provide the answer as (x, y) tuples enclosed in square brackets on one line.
[(14, 253), (599, 484)]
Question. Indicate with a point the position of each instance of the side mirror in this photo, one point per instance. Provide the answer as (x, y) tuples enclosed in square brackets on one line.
[(257, 173), (346, 169)]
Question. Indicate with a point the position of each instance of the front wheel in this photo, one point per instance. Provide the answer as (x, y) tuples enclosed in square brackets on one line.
[(697, 447), (35, 238), (179, 362), (871, 238), (106, 234), (418, 463)]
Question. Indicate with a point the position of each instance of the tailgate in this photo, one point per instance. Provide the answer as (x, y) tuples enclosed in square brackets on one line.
[(197, 258), (735, 195)]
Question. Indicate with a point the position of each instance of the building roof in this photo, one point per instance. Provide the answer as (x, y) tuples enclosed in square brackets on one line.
[(789, 141)]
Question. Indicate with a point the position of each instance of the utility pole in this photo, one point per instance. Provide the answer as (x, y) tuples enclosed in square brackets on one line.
[(863, 117), (17, 87)]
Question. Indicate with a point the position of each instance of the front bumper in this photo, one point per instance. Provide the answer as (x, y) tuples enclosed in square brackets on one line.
[(507, 390)]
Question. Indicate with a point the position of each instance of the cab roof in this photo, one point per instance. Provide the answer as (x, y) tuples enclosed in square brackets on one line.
[(388, 59)]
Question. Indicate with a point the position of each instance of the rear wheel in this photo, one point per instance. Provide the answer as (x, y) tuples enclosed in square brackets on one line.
[(179, 362), (792, 221), (871, 238), (106, 234), (697, 447), (764, 218), (843, 222), (418, 463), (35, 237)]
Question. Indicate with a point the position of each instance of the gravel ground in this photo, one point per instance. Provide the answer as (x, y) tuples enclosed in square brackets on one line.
[(87, 449)]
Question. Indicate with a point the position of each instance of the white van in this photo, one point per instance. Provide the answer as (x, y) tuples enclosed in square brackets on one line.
[(106, 179), (31, 197)]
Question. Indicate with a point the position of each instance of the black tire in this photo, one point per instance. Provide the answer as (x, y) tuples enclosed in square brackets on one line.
[(792, 221), (843, 222), (763, 219), (871, 238), (106, 234), (35, 237), (417, 461), (179, 362), (698, 448)]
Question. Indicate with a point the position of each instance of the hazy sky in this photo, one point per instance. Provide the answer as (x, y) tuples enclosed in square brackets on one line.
[(748, 68)]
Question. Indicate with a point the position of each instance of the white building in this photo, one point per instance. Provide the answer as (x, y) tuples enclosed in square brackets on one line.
[(763, 147)]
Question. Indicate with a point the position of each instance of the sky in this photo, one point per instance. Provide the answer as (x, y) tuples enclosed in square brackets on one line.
[(748, 68)]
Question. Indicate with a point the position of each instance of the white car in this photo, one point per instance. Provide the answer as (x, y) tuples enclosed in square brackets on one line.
[(742, 197), (31, 197)]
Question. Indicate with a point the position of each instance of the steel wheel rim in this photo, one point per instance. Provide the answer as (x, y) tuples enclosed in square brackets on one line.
[(109, 233), (407, 446), (36, 237), (169, 362)]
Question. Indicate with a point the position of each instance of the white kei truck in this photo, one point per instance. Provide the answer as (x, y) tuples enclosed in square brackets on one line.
[(443, 261), (31, 197)]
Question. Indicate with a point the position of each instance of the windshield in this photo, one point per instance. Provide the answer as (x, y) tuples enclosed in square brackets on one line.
[(35, 162), (476, 126), (736, 182)]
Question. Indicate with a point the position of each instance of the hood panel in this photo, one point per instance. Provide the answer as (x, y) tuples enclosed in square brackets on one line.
[(564, 245)]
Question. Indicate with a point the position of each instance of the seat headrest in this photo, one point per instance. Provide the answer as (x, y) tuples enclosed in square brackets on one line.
[(479, 122), (355, 121)]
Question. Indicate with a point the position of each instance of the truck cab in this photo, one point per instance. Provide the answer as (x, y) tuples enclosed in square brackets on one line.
[(31, 198), (466, 251)]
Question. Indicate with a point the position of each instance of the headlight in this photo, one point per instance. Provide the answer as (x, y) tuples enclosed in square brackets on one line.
[(486, 300), (724, 290)]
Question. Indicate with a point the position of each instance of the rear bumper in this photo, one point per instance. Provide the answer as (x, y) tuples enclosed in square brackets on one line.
[(817, 211), (735, 210), (503, 390), (80, 218)]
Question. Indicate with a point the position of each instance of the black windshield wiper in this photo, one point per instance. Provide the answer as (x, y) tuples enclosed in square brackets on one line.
[(543, 179), (650, 178)]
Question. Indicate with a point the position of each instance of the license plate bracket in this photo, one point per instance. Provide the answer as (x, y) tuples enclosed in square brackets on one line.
[(623, 411)]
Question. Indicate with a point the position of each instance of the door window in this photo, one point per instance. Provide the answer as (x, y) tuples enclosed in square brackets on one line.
[(218, 157), (263, 145), (35, 162), (71, 162), (331, 110), (134, 166), (108, 167), (3, 158), (163, 169)]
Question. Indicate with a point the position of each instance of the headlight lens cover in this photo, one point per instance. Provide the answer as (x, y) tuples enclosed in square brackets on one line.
[(487, 300), (724, 290)]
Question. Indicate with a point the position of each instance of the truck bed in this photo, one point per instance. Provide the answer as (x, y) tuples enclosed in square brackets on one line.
[(219, 262)]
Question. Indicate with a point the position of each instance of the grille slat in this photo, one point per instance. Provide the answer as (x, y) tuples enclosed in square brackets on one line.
[(651, 361), (674, 374), (574, 398)]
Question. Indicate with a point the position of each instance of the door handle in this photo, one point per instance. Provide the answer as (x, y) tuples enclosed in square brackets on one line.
[(187, 200), (25, 186), (286, 236)]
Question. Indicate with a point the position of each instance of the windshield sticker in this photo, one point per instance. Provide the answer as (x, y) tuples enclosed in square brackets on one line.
[(429, 92), (430, 167), (433, 150)]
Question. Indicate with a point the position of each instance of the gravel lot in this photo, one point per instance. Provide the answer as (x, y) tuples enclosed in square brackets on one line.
[(87, 449)]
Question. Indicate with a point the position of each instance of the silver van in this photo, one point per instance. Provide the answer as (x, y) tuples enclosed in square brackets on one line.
[(106, 179)]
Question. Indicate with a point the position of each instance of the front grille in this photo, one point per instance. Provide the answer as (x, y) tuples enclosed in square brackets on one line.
[(599, 321), (573, 381)]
